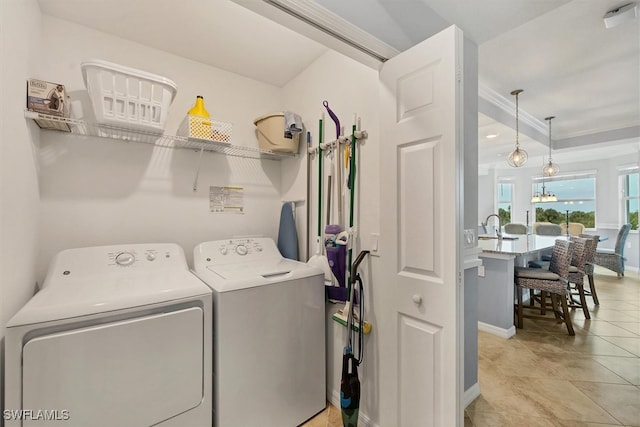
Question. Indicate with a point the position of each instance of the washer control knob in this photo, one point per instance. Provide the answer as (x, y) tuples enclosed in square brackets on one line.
[(241, 250), (151, 256), (223, 250), (125, 258)]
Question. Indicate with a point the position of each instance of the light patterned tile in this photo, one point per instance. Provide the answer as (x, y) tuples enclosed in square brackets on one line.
[(621, 401), (603, 328), (629, 326), (570, 366), (631, 345), (626, 367), (544, 398), (335, 417), (609, 314), (319, 420), (497, 419), (586, 344)]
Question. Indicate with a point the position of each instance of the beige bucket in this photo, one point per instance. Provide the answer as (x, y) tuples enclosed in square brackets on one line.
[(271, 134)]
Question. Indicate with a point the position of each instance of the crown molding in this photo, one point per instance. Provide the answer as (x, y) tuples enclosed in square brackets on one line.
[(322, 25), (509, 107)]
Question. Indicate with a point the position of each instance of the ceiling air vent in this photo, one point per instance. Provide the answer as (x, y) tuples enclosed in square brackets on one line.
[(620, 14)]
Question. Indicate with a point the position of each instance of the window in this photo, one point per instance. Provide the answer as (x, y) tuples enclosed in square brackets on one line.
[(630, 197), (576, 195), (505, 201)]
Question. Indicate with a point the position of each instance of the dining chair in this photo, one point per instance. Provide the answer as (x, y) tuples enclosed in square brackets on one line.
[(549, 230), (582, 250), (613, 259), (588, 268), (515, 228), (575, 228), (553, 281)]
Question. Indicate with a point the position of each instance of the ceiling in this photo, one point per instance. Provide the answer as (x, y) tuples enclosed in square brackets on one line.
[(557, 51)]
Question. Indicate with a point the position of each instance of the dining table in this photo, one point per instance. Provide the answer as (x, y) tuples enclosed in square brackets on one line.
[(496, 287)]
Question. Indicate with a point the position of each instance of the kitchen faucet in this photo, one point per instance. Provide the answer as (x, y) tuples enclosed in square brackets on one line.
[(498, 230)]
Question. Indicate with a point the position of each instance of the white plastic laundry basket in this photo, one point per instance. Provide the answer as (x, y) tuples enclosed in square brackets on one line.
[(126, 97)]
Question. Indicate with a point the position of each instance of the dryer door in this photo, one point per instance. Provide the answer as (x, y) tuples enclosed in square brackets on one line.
[(136, 372)]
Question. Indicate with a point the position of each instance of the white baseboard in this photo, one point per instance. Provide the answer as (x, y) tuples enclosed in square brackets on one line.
[(494, 330), (363, 419), (471, 393)]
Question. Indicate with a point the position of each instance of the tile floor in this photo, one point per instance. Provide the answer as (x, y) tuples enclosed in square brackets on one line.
[(544, 377)]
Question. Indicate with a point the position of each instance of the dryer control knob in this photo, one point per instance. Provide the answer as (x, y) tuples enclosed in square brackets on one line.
[(241, 250), (151, 256), (125, 258), (223, 250)]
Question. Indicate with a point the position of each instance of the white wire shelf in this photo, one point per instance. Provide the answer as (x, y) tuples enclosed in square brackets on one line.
[(79, 127)]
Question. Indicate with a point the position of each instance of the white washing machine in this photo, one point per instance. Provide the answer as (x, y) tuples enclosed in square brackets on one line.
[(118, 336), (269, 334)]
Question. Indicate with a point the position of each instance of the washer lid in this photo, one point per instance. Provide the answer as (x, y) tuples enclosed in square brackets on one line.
[(231, 277), (228, 265), (75, 297)]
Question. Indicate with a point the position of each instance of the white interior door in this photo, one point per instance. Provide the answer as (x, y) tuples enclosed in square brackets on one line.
[(421, 217)]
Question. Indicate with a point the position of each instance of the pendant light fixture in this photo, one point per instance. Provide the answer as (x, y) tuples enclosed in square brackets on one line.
[(550, 169), (517, 157)]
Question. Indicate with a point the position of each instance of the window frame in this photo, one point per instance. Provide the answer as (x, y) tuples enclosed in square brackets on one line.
[(505, 181), (536, 182), (623, 173)]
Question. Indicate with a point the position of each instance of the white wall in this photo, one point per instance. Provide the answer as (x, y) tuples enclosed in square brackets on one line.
[(350, 88), (20, 33), (96, 191), (486, 194)]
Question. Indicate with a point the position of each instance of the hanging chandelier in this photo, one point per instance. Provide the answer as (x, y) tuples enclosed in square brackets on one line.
[(543, 197), (550, 169), (517, 157)]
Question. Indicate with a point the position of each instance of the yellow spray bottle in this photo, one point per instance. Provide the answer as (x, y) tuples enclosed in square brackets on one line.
[(198, 109)]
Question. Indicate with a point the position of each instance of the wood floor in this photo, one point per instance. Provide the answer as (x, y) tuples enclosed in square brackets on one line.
[(544, 377)]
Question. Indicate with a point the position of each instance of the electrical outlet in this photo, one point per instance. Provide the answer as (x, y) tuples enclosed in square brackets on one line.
[(469, 238), (481, 271)]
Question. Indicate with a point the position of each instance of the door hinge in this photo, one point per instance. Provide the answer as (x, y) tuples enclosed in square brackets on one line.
[(458, 74)]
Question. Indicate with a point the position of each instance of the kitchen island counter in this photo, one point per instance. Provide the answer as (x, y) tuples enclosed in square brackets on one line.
[(496, 284)]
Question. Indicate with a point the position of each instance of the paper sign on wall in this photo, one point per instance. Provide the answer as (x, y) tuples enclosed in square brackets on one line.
[(226, 199)]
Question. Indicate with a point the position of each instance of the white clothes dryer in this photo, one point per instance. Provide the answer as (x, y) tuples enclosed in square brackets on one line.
[(117, 336), (269, 334)]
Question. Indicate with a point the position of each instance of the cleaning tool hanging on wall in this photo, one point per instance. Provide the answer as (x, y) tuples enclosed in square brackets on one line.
[(349, 381), (336, 248), (319, 260)]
